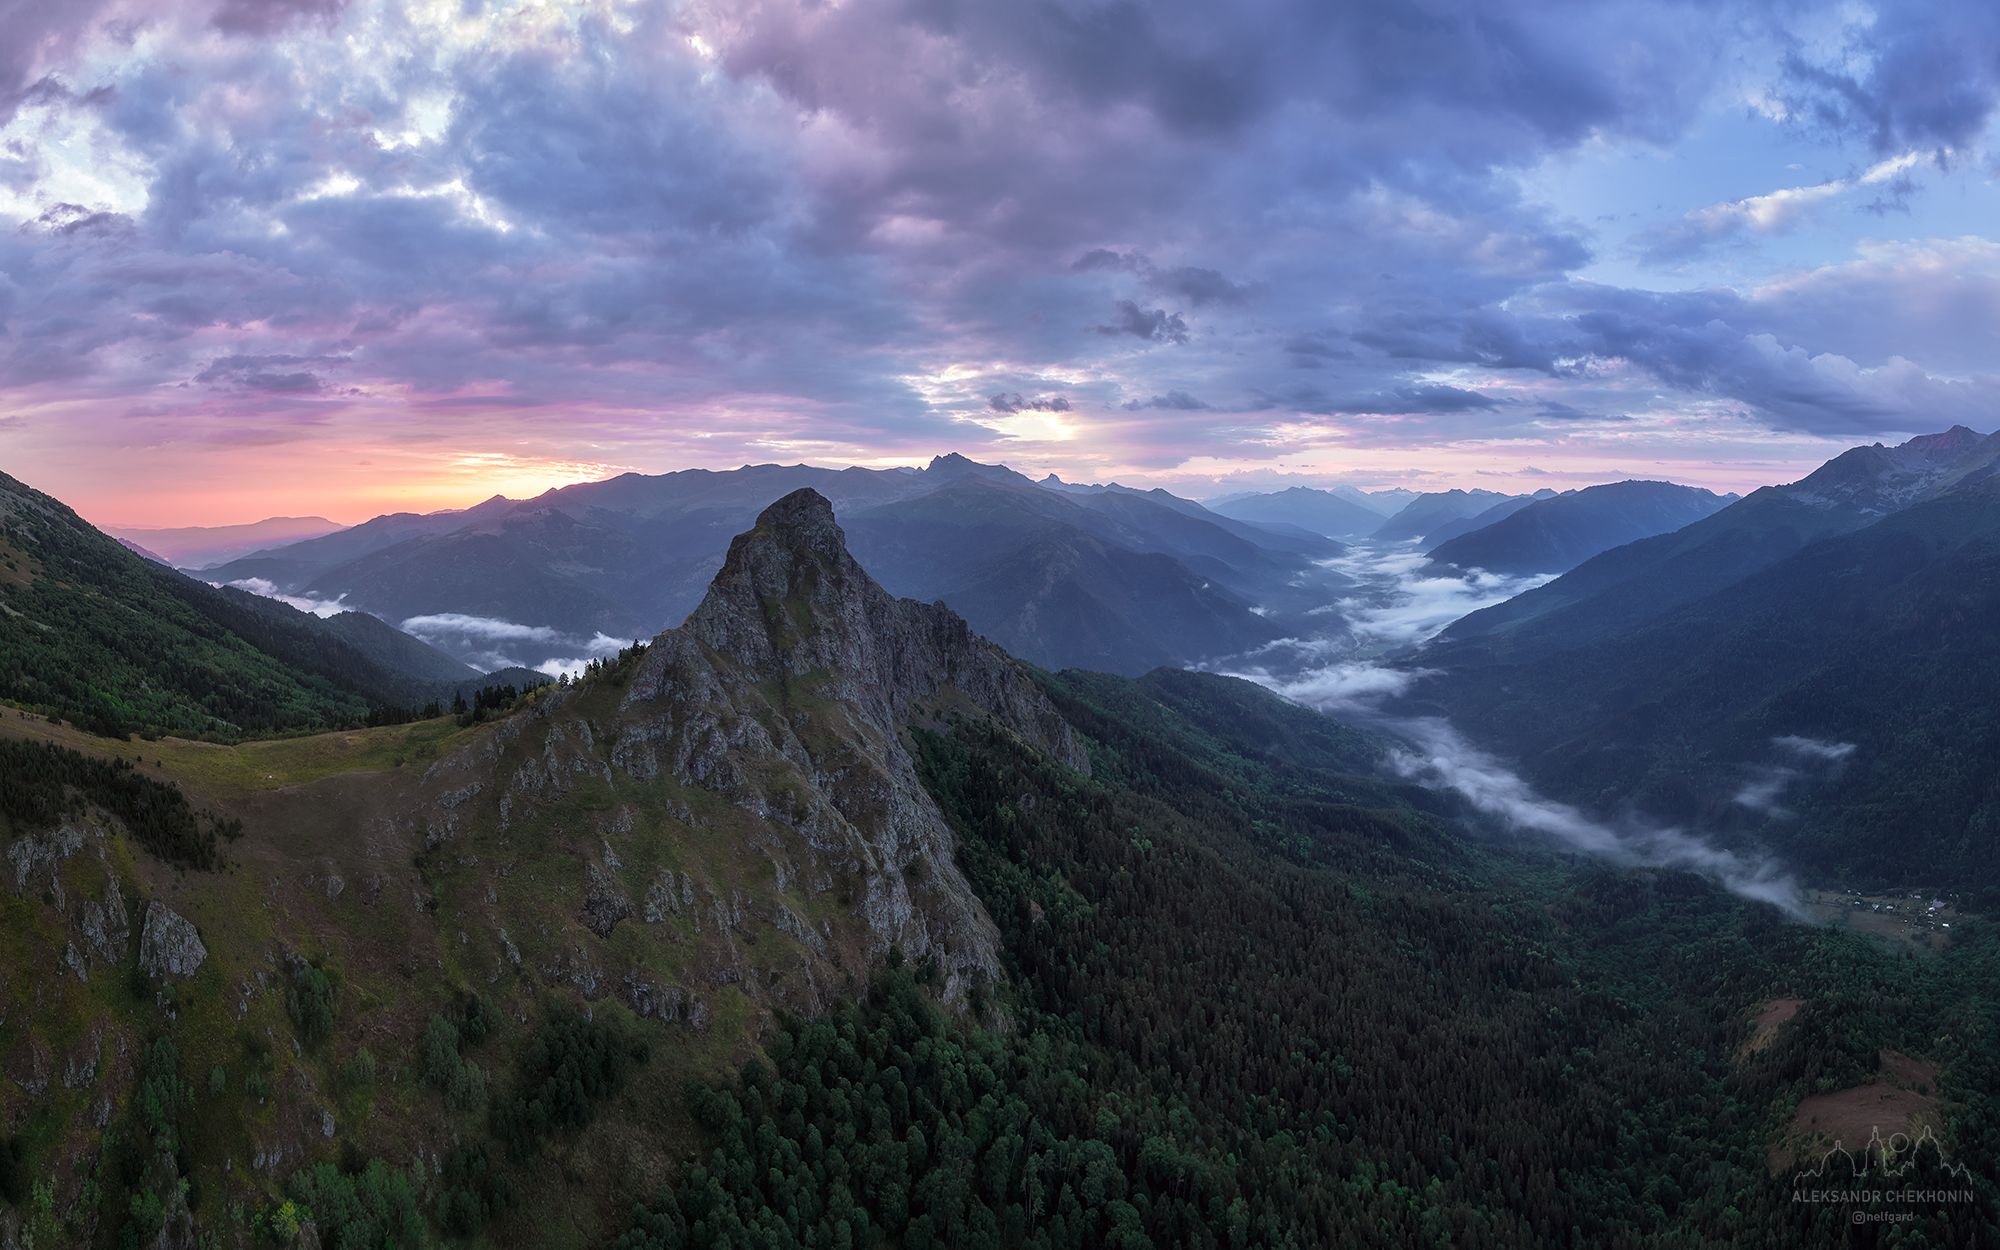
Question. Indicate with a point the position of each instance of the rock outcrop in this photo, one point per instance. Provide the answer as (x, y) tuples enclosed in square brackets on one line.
[(169, 945), (768, 738), (798, 665)]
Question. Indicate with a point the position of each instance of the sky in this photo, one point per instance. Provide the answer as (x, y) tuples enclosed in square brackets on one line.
[(283, 257)]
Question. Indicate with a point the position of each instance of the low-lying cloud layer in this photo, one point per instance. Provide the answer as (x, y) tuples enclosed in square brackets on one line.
[(1438, 755), (304, 603), (1394, 606), (1765, 784), (1398, 607), (491, 642)]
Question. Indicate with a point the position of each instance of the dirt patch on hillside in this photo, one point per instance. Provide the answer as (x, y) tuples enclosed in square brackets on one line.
[(1770, 1018), (1900, 1098)]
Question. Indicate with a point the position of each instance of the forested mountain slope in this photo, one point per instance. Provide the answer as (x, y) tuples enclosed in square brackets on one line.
[(1640, 581), (1556, 534), (93, 632), (1836, 701), (1013, 959)]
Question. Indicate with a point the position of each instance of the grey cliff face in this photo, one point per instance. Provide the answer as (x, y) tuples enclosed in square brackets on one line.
[(790, 598), (797, 654), (169, 946)]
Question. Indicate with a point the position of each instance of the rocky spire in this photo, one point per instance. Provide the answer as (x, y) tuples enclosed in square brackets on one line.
[(790, 601)]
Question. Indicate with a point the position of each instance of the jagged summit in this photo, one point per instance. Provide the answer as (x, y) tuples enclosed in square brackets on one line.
[(790, 601), (952, 467), (1876, 480), (802, 522), (1958, 438)]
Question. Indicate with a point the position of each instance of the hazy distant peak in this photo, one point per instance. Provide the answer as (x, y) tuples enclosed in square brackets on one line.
[(1876, 479), (1958, 438)]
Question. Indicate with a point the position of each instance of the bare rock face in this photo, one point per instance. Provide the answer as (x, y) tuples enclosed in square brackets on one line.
[(798, 659), (169, 946), (604, 904), (790, 600)]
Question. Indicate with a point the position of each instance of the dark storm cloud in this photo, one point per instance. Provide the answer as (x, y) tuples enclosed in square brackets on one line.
[(1928, 76), (1155, 325), (264, 17), (1173, 401), (276, 375), (70, 219), (1011, 402), (1201, 286), (1489, 337), (1417, 399), (1193, 283), (39, 35)]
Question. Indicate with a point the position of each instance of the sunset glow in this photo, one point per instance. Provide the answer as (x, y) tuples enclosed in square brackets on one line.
[(318, 256)]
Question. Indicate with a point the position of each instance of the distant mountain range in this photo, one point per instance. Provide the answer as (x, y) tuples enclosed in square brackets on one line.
[(197, 546), (1429, 512), (1486, 516), (1552, 533), (1836, 634), (1094, 576), (1331, 513)]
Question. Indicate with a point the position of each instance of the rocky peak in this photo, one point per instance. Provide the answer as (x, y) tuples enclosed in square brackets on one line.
[(1953, 442), (772, 726), (791, 602), (1875, 480), (795, 553), (952, 467)]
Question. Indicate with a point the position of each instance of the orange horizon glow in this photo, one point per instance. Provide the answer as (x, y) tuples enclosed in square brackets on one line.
[(241, 486)]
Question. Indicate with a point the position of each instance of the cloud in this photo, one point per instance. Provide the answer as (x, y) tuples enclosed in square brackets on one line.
[(1201, 286), (1155, 325), (305, 603), (796, 230), (266, 17), (490, 643), (1343, 685), (1011, 402), (1334, 674), (1774, 212), (1407, 400), (1814, 748), (1174, 401), (1915, 75), (1398, 603), (1766, 784), (600, 646), (435, 625), (1438, 755), (1432, 753), (277, 374)]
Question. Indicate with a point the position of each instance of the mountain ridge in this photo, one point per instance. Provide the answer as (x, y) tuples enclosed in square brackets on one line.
[(628, 556), (1559, 532)]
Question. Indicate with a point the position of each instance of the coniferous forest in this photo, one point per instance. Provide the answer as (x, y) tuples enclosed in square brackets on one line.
[(1237, 1015)]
